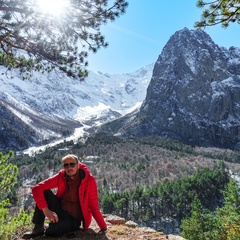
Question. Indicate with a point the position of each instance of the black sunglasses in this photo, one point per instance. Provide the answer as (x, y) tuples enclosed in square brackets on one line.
[(72, 164)]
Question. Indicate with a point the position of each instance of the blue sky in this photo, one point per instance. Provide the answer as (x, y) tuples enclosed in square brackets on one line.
[(136, 38)]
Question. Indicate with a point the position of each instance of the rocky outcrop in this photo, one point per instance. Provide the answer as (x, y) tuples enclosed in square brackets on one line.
[(193, 95), (118, 228)]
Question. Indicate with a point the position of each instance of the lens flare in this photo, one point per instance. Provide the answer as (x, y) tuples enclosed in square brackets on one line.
[(52, 7)]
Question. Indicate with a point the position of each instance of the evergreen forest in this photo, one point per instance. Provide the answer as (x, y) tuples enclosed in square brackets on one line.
[(156, 182)]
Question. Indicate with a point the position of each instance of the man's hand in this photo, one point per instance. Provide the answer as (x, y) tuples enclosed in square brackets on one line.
[(52, 216)]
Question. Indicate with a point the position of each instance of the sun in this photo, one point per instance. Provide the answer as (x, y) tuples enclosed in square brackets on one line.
[(52, 7)]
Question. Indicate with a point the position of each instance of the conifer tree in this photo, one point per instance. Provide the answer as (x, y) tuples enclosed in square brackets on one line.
[(197, 226), (228, 216), (221, 224), (10, 224), (8, 176), (221, 12), (31, 39)]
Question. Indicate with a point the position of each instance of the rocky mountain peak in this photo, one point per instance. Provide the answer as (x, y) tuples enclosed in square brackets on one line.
[(193, 95), (187, 52)]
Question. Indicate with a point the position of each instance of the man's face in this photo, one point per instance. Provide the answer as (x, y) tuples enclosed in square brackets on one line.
[(70, 167)]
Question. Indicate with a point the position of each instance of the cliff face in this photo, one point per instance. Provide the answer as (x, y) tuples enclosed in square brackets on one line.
[(193, 95)]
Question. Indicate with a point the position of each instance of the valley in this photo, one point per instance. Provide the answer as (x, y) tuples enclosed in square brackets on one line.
[(123, 165)]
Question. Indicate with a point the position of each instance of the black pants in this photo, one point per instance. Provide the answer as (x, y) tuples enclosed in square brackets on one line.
[(66, 222)]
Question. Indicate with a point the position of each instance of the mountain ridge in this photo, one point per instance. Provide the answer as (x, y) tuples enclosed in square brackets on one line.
[(46, 100)]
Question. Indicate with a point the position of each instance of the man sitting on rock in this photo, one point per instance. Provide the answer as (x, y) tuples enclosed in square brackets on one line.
[(73, 205)]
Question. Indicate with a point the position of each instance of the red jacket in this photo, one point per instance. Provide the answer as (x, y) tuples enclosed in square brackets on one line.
[(88, 195)]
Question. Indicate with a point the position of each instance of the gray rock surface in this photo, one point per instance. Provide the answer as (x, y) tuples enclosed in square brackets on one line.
[(193, 95)]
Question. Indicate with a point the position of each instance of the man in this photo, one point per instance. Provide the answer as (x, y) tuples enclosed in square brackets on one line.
[(73, 205)]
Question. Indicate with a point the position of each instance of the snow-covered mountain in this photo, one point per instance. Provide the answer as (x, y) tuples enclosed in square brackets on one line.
[(58, 98), (193, 95)]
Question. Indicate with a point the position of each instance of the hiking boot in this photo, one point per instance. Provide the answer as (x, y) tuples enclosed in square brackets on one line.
[(37, 231)]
